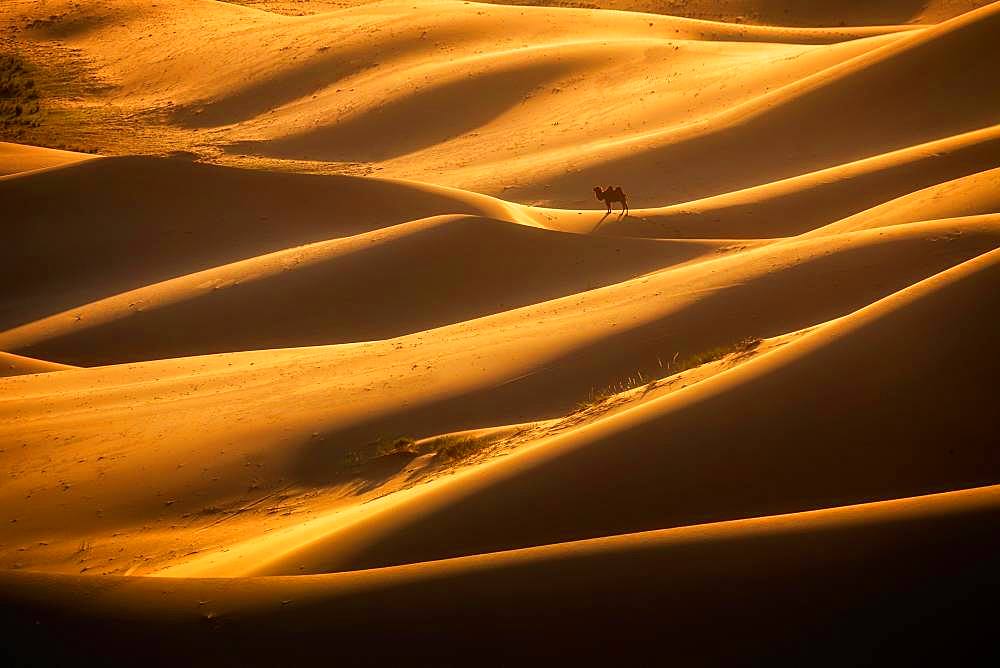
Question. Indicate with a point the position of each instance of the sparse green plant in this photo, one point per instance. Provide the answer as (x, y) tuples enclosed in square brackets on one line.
[(742, 346), (458, 448), (404, 444), (382, 447), (602, 396), (446, 449)]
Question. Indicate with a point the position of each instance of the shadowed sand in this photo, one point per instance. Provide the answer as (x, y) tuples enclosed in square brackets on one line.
[(332, 353), (18, 365), (16, 158), (415, 275), (859, 580), (683, 467)]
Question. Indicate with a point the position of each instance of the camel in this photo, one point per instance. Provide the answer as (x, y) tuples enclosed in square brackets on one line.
[(612, 195)]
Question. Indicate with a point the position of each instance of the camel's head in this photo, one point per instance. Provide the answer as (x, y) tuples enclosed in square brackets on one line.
[(598, 191)]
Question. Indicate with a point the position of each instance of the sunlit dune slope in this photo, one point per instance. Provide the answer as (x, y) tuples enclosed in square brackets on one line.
[(883, 580), (871, 104), (344, 87), (17, 365), (332, 352), (803, 203), (568, 98), (377, 285), (212, 429), (95, 229), (16, 158), (528, 100), (969, 195), (754, 12), (813, 13), (894, 389)]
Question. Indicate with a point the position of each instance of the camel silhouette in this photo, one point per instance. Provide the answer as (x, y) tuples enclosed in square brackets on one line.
[(612, 195)]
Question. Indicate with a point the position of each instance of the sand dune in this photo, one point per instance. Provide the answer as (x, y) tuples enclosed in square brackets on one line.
[(122, 223), (333, 353), (754, 12), (514, 86), (683, 467), (415, 276), (310, 87), (806, 202), (768, 12), (15, 158), (969, 195), (18, 365), (894, 578), (791, 130), (241, 427)]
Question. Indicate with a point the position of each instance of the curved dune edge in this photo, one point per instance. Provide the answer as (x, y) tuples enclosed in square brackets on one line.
[(20, 158), (144, 220), (892, 564), (239, 427), (280, 75), (743, 214), (802, 204), (969, 195), (693, 161), (758, 12), (90, 245), (354, 392), (487, 509), (287, 63), (416, 276), (18, 365), (737, 214)]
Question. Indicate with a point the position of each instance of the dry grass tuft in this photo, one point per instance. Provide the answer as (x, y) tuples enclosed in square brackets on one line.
[(603, 396), (19, 103)]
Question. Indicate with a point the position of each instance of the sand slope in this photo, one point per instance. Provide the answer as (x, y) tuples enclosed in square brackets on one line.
[(414, 276), (684, 467), (237, 428), (15, 158), (767, 12), (17, 365), (791, 130), (335, 355), (861, 580), (969, 195), (122, 223), (803, 203)]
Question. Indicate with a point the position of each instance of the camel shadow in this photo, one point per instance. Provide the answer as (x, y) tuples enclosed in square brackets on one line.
[(621, 216)]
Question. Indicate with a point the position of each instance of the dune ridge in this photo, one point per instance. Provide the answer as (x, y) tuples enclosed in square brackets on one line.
[(17, 365), (17, 158), (803, 203), (315, 343), (660, 447), (259, 303), (663, 582)]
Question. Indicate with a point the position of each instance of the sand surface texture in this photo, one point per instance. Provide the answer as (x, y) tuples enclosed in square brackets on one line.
[(316, 344)]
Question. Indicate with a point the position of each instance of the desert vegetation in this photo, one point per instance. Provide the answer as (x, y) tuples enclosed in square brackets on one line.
[(20, 105)]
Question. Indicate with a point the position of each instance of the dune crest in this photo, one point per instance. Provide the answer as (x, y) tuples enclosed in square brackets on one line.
[(318, 342)]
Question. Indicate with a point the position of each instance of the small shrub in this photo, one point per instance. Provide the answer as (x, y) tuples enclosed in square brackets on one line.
[(598, 397), (390, 446), (741, 346), (457, 448), (18, 94)]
